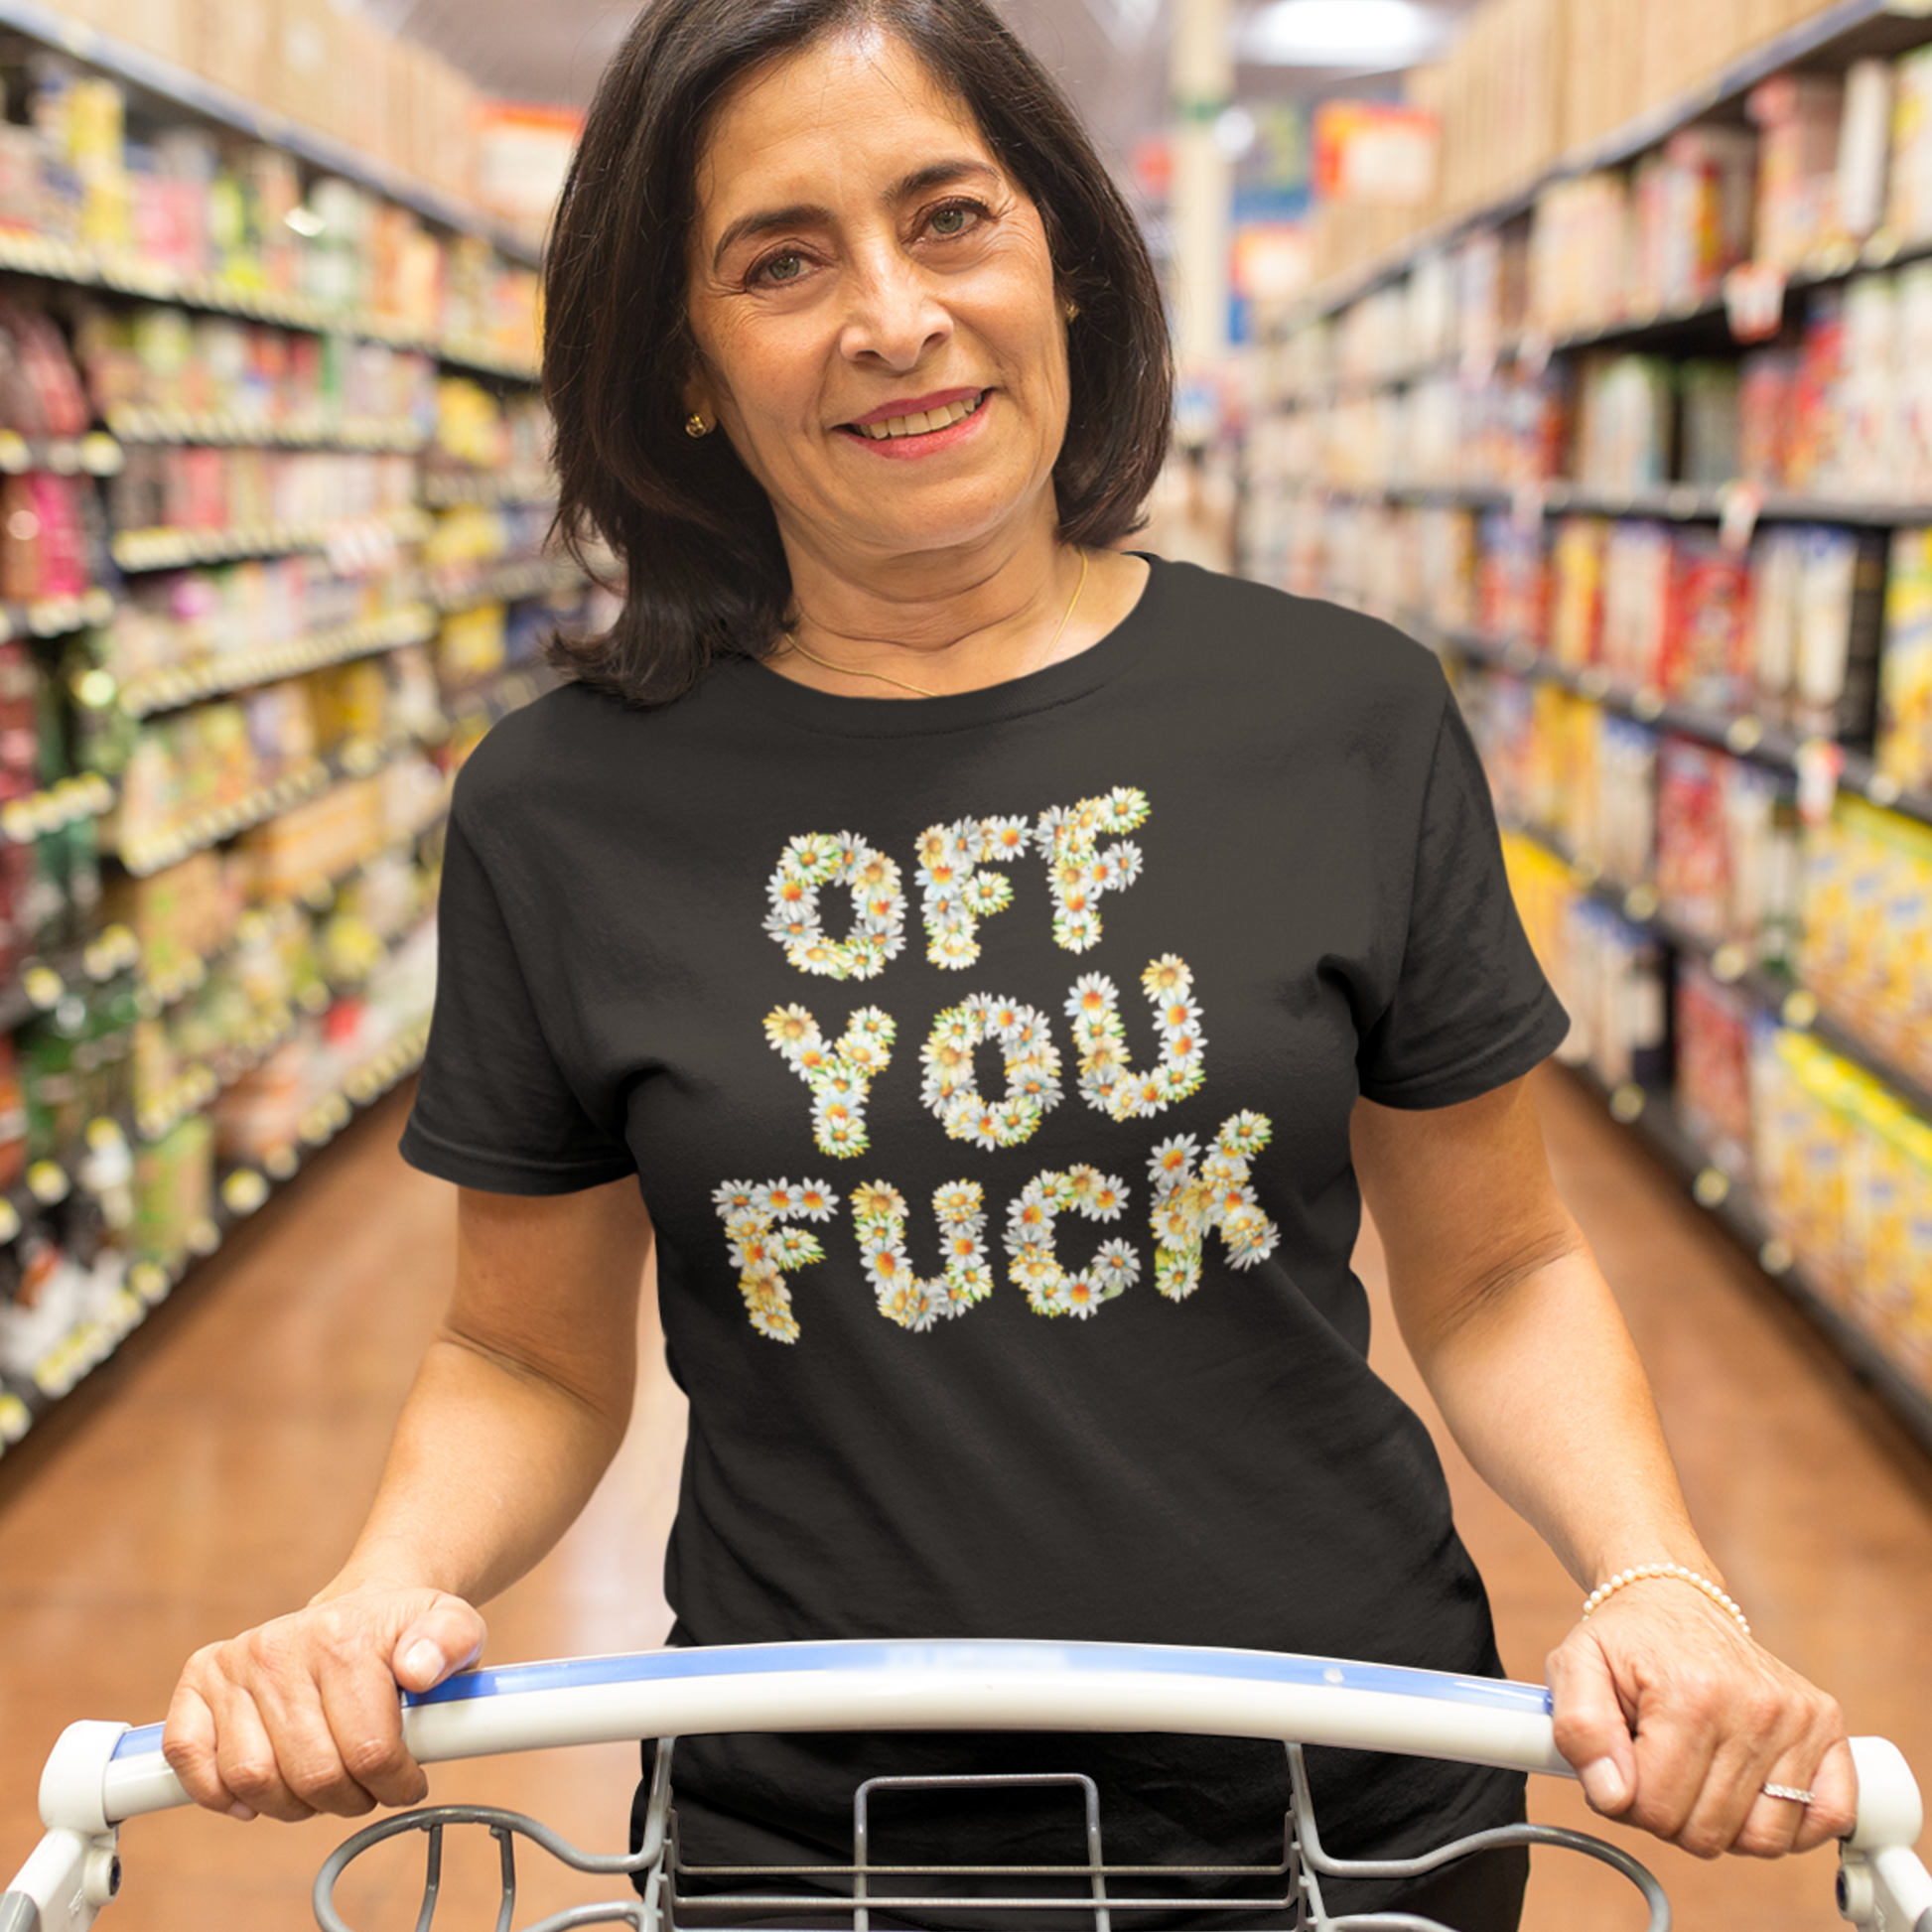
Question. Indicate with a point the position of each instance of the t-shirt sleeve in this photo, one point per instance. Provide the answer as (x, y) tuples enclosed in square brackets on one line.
[(1470, 1009), (494, 1109)]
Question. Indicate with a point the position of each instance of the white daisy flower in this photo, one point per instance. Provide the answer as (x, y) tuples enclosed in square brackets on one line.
[(816, 1201), (1128, 864), (1172, 1160), (733, 1196), (779, 1324), (1109, 1197), (1094, 996), (1166, 977), (1247, 1132)]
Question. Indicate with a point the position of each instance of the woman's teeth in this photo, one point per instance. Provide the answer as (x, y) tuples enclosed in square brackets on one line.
[(953, 412)]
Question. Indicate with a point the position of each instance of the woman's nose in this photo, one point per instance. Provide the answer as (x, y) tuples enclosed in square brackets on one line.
[(894, 317)]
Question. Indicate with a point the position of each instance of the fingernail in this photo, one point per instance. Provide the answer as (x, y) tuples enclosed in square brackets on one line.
[(242, 1811), (425, 1663), (1602, 1784)]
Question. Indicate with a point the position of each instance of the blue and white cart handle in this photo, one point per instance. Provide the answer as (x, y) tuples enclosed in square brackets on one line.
[(101, 1774)]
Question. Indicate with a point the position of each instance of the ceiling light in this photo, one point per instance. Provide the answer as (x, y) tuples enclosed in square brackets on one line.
[(1372, 34)]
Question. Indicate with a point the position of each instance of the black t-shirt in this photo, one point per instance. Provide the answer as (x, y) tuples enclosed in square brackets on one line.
[(987, 1062)]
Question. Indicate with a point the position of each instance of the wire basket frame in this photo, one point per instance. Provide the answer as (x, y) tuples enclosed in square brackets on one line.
[(1290, 1891)]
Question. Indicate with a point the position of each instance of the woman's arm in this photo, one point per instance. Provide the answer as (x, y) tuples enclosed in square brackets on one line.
[(1674, 1719), (518, 1409)]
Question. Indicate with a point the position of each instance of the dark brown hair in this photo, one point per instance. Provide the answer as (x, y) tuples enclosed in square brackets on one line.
[(704, 573)]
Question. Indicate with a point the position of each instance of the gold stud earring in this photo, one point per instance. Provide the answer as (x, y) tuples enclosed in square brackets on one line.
[(695, 425), (1072, 311)]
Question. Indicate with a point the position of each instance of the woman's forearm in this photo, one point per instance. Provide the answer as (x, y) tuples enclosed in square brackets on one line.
[(489, 1466), (1540, 1385)]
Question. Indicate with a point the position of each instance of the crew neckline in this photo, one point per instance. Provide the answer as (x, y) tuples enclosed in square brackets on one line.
[(809, 709)]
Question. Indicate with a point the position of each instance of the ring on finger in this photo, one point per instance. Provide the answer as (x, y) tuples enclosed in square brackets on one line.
[(1793, 1792)]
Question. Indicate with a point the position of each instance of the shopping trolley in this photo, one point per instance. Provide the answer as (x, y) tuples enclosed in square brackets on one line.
[(101, 1774)]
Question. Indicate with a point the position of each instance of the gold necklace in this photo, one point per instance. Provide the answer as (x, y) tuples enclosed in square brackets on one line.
[(881, 677)]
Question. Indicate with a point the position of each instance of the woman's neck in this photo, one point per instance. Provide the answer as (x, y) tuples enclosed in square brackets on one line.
[(933, 623)]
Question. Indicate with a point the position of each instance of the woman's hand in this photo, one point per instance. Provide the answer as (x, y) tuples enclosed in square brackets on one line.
[(1676, 1721), (302, 1716)]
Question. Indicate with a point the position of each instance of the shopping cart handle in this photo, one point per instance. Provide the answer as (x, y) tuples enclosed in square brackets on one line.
[(100, 1774), (895, 1685)]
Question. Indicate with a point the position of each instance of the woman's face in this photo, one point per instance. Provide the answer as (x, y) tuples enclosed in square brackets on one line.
[(875, 309)]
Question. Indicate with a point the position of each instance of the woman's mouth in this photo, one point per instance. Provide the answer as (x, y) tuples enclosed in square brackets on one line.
[(925, 423)]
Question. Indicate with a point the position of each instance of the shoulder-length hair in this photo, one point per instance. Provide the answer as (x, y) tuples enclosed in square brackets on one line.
[(704, 574)]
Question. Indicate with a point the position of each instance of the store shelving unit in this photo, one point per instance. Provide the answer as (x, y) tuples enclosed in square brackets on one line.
[(1847, 30), (81, 969), (1831, 40)]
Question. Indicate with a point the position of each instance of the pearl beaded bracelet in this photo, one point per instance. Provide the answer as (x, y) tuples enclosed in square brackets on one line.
[(1670, 1572)]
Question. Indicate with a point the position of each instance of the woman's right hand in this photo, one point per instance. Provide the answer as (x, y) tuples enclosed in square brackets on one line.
[(302, 1716)]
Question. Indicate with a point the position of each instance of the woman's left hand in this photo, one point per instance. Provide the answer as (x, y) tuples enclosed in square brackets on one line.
[(1676, 1721)]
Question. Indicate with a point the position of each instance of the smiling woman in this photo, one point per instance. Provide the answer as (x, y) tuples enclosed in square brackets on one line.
[(811, 226), (1005, 1072)]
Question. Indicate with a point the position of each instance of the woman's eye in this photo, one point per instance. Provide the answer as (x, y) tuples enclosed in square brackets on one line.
[(949, 222), (780, 268)]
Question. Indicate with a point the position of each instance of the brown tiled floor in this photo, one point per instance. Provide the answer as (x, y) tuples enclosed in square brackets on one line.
[(177, 1500)]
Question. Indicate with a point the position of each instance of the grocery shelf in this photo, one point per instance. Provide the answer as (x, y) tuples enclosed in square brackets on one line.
[(1793, 1004), (244, 430), (55, 616), (1736, 1209), (447, 491), (159, 991), (218, 104), (23, 820), (1897, 23), (45, 979), (87, 267), (92, 455), (512, 584), (169, 548), (1742, 734), (148, 692), (243, 1192), (1668, 502)]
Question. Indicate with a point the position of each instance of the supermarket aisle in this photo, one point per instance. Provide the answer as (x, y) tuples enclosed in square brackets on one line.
[(227, 1470)]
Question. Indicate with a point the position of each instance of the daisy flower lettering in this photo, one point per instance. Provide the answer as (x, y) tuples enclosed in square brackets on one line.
[(1108, 1082), (1032, 1068), (1036, 1268), (810, 863), (1190, 1202), (763, 1248), (1079, 869), (840, 1076), (955, 894), (879, 1215)]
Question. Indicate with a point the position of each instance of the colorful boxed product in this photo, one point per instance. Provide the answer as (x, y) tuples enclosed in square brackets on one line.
[(1713, 1066), (1706, 656), (1638, 572), (1867, 948), (1904, 750), (1798, 117), (1577, 570)]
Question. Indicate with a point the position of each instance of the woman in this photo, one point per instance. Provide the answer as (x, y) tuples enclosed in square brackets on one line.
[(1005, 965)]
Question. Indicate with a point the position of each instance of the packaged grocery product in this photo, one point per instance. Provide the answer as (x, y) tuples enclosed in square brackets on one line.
[(174, 1190), (1636, 602), (1841, 629), (1706, 651), (1577, 569), (1709, 433), (1767, 384), (1713, 1066), (1909, 198), (1625, 411), (1904, 747), (1798, 117)]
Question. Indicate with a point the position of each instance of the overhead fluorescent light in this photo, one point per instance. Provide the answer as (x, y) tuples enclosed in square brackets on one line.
[(1376, 35)]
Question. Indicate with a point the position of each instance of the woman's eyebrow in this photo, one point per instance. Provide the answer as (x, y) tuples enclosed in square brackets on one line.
[(804, 214)]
